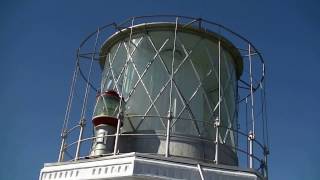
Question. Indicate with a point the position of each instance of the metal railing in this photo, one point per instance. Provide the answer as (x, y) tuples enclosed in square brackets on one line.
[(252, 145)]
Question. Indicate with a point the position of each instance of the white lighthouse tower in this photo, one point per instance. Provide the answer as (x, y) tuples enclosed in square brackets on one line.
[(164, 97)]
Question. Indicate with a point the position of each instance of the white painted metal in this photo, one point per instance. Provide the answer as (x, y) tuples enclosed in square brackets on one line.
[(141, 166)]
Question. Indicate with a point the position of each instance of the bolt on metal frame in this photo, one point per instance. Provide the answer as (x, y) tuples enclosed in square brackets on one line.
[(254, 83)]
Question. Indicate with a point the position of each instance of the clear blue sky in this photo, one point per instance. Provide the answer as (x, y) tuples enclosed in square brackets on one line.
[(38, 40)]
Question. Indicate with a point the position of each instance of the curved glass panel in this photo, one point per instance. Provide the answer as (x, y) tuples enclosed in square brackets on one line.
[(142, 73)]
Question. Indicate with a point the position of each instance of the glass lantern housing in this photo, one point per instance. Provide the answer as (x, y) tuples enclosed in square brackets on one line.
[(106, 109), (161, 74)]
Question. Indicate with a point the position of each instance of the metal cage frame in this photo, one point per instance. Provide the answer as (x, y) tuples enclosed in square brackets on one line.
[(251, 86)]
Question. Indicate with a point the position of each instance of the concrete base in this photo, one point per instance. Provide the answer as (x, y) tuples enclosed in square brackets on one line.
[(132, 166)]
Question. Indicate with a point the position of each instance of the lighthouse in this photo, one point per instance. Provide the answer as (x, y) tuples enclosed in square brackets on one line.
[(164, 97)]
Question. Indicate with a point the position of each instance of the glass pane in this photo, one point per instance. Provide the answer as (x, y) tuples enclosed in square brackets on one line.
[(155, 78), (143, 54), (117, 58)]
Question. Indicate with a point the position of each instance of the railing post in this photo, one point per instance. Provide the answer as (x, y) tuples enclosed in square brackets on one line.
[(62, 148), (251, 139), (216, 142), (168, 134), (120, 117), (218, 119), (81, 124), (265, 161)]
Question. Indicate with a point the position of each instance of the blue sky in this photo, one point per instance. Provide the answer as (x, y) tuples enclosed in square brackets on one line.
[(38, 40)]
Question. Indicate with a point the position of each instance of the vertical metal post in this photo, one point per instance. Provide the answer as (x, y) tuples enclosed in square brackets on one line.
[(251, 136), (117, 137), (81, 124), (251, 90), (216, 153), (217, 121), (120, 119), (84, 105), (250, 139), (265, 161), (168, 135), (171, 87), (120, 113), (63, 142), (67, 113)]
